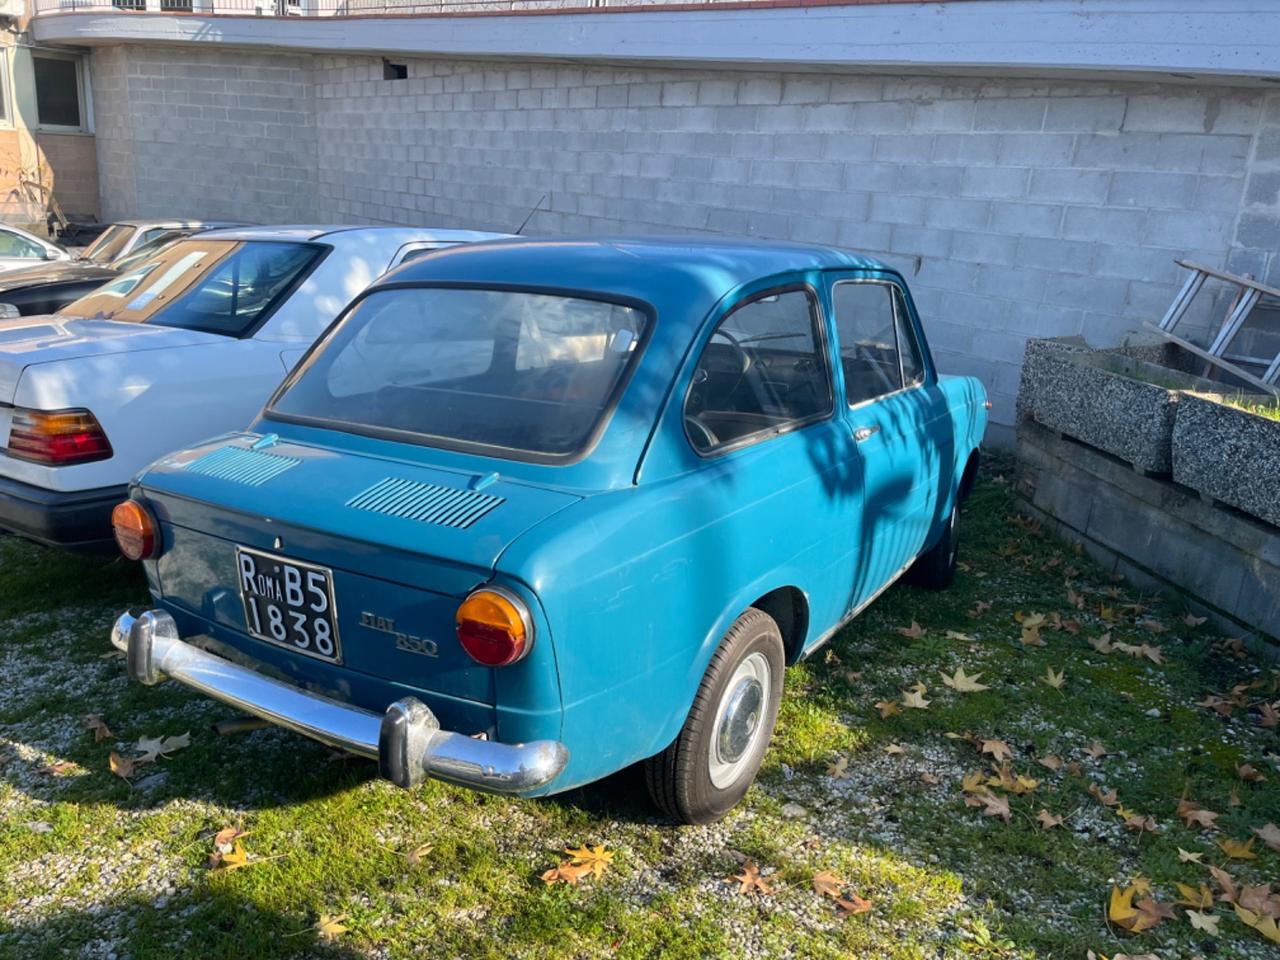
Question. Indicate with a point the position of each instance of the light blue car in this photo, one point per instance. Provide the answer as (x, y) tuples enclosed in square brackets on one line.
[(533, 511)]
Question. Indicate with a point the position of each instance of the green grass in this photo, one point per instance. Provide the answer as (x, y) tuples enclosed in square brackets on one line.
[(1263, 408), (119, 867)]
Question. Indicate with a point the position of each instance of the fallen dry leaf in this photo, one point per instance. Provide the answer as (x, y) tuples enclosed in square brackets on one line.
[(888, 708), (840, 769), (1048, 820), (1268, 716), (964, 683), (329, 928), (122, 767), (913, 632), (1208, 922), (152, 748), (998, 749), (1190, 896), (992, 805), (1055, 680), (827, 884), (1050, 761), (978, 609), (894, 750), (750, 880), (1237, 850), (1226, 884), (1248, 773), (852, 905), (1270, 835), (1186, 856), (564, 873), (234, 860), (597, 858), (929, 778), (59, 768), (1096, 750), (1106, 798), (914, 698), (1102, 644), (1191, 620), (1264, 925), (415, 856), (99, 727), (1195, 816)]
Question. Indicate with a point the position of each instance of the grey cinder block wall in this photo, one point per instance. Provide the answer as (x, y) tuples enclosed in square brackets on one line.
[(1016, 208)]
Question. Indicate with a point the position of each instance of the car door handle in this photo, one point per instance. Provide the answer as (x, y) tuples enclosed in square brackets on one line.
[(865, 433)]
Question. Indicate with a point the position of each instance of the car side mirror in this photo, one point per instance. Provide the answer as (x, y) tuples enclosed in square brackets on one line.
[(52, 254)]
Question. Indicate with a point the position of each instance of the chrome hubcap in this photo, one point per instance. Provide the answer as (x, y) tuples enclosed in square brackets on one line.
[(739, 722)]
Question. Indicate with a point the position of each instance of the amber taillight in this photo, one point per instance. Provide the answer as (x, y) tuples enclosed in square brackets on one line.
[(494, 627), (135, 530), (57, 438)]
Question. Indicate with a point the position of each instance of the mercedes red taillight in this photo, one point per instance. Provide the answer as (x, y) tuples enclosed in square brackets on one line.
[(494, 627), (57, 437)]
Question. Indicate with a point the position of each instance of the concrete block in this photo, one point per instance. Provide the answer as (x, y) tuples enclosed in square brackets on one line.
[(1025, 219), (1148, 189), (942, 115), (1110, 225), (717, 92), (1229, 454), (919, 241), (1010, 114), (996, 182), (760, 90), (1084, 114), (1035, 149), (965, 148), (805, 90), (984, 248), (1060, 256), (1187, 229), (896, 208), (957, 213), (887, 117), (929, 180), (1069, 185)]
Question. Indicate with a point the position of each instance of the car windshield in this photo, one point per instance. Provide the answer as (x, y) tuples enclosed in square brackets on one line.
[(109, 243), (530, 373), (148, 251), (217, 286)]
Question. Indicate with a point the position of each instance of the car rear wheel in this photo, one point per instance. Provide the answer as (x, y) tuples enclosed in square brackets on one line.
[(710, 765), (936, 568)]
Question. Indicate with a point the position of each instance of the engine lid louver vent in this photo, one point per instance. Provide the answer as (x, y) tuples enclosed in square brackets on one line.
[(241, 465), (425, 502)]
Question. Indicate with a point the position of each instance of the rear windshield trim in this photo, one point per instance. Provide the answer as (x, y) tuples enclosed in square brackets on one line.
[(432, 441)]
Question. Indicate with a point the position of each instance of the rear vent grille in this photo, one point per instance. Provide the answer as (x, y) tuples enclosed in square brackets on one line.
[(239, 465), (427, 502)]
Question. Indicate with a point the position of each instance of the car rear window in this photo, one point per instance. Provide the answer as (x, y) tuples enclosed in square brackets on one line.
[(533, 374), (217, 286), (109, 243)]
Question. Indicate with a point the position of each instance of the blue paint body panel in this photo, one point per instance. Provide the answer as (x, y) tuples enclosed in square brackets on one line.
[(633, 560)]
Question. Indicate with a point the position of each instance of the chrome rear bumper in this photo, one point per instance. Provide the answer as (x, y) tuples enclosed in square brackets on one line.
[(406, 740)]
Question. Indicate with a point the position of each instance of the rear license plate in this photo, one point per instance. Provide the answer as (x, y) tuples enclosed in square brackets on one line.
[(289, 603)]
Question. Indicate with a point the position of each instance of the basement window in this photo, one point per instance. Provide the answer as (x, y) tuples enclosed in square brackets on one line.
[(59, 92), (394, 71)]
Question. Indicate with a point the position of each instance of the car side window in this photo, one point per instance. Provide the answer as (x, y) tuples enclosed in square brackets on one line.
[(12, 245), (763, 370), (878, 350)]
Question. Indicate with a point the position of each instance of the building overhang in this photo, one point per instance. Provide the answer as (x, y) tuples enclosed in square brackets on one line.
[(1225, 40)]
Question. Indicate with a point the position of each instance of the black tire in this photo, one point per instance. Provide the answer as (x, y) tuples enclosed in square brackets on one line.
[(679, 779), (936, 568)]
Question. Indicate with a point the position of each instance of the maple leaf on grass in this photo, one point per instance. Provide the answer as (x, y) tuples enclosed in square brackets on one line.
[(992, 805), (963, 683), (99, 727), (827, 884), (122, 767), (750, 880), (1107, 798), (1208, 922), (564, 873), (852, 905), (888, 708), (1264, 925), (978, 609), (1194, 816), (1191, 620), (839, 769), (152, 748), (895, 750), (415, 856), (1186, 856), (930, 778), (1102, 644), (998, 749), (1270, 835), (913, 632), (1055, 680), (1226, 884), (329, 928), (914, 698), (1096, 750), (1050, 762), (59, 768), (1135, 918), (597, 858), (1048, 820), (1237, 850), (1268, 716), (958, 636), (1259, 900), (236, 859), (1248, 773), (1190, 896)]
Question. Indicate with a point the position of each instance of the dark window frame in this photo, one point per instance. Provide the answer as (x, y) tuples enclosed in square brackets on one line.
[(822, 346)]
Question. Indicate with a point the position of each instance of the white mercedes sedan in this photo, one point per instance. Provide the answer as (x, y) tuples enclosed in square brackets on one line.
[(187, 345)]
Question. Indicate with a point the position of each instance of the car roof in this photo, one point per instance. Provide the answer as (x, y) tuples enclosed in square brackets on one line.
[(304, 232), (684, 269), (175, 223)]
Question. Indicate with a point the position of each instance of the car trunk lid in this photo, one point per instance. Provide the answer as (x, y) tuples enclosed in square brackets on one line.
[(40, 340)]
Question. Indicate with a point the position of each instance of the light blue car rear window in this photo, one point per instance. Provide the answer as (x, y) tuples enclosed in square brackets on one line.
[(529, 373)]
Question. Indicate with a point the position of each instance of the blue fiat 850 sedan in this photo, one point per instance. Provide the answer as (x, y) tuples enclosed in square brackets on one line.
[(533, 511)]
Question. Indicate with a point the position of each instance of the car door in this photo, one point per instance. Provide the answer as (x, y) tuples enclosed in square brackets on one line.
[(889, 411)]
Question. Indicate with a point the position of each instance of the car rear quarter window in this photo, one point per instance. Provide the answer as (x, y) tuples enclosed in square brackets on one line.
[(763, 370), (531, 375)]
